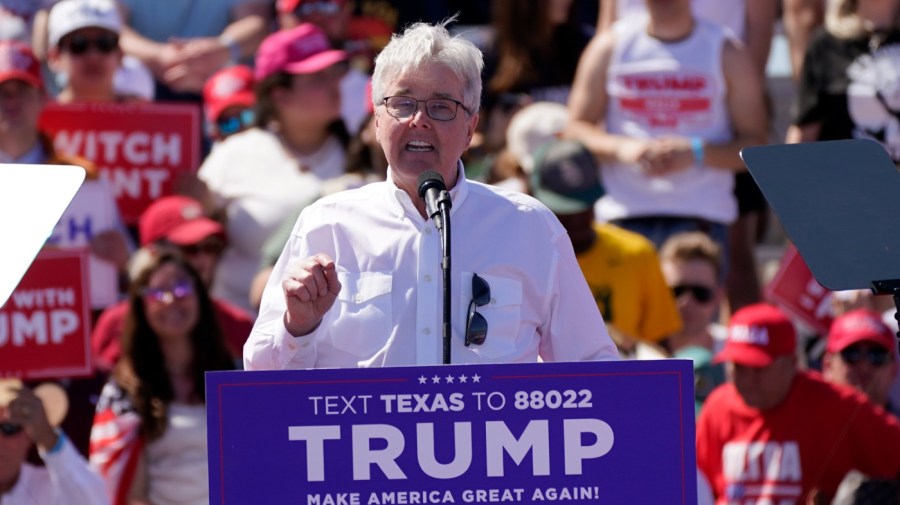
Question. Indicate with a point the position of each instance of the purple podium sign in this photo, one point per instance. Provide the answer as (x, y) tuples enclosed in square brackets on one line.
[(591, 432)]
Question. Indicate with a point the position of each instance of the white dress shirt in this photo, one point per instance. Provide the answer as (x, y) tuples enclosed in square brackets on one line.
[(66, 479), (389, 309)]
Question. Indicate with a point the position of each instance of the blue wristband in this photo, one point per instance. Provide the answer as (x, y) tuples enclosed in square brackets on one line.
[(697, 149), (60, 440)]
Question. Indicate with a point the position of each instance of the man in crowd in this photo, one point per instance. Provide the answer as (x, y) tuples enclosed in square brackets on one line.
[(358, 283), (776, 434), (667, 103), (861, 353), (27, 420)]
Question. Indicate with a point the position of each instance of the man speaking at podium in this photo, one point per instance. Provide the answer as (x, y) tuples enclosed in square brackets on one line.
[(359, 283)]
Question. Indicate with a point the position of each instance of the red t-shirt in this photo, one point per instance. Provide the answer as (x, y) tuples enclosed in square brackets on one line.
[(105, 337), (809, 442)]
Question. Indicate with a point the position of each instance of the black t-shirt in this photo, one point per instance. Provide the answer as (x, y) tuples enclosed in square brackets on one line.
[(852, 88)]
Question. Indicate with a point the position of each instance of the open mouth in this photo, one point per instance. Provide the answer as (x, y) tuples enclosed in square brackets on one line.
[(419, 146)]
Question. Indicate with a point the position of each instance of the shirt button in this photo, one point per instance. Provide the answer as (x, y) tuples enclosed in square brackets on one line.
[(427, 278), (427, 331), (305, 345), (428, 230), (357, 298)]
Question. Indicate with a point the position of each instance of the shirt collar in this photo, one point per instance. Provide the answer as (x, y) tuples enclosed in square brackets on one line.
[(401, 203)]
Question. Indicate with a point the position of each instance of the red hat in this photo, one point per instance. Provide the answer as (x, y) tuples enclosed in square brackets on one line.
[(301, 50), (757, 334), (177, 219), (286, 6), (858, 326), (227, 87), (18, 62)]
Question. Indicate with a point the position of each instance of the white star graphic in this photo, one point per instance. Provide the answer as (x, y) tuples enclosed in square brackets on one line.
[(476, 378), (422, 379), (435, 380), (448, 379), (463, 378)]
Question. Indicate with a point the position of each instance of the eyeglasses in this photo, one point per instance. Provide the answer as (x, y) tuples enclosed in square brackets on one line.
[(702, 294), (876, 356), (439, 109), (10, 429), (233, 124), (213, 247), (80, 44), (476, 324), (181, 290)]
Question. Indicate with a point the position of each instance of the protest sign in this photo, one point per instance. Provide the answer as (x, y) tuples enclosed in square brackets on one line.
[(589, 432), (795, 289), (45, 324), (142, 149)]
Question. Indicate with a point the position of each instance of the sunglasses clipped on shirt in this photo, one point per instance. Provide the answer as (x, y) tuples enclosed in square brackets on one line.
[(875, 356), (79, 44), (476, 324), (702, 294)]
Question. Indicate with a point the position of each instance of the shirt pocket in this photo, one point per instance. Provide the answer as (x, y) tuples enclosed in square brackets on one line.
[(503, 314), (364, 320)]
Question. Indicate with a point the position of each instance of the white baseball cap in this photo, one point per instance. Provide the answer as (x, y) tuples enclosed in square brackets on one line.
[(70, 15)]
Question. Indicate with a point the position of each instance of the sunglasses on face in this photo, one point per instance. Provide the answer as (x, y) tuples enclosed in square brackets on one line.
[(233, 124), (476, 324), (210, 247), (876, 356), (702, 294), (80, 44), (10, 429), (181, 290)]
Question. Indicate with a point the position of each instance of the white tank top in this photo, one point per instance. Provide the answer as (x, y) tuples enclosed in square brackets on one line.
[(659, 89), (731, 14)]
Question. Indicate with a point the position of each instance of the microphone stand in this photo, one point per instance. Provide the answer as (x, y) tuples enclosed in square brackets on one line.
[(444, 205)]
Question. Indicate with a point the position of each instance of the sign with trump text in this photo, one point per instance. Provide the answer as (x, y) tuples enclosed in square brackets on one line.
[(45, 324), (141, 149), (588, 432)]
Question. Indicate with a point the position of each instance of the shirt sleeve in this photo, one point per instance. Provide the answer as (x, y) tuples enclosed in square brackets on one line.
[(574, 330), (270, 346), (74, 482)]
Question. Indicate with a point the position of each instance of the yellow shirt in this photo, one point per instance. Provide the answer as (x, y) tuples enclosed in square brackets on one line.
[(624, 275)]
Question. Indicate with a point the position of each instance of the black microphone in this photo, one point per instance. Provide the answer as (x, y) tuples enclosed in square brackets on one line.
[(431, 184)]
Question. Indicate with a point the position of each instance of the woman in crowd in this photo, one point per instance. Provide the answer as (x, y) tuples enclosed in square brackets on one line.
[(259, 177), (149, 436)]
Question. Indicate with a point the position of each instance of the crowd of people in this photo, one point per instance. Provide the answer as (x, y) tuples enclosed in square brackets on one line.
[(601, 211)]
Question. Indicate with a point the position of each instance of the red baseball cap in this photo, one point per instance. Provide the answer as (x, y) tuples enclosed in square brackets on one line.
[(177, 219), (227, 87), (757, 334), (286, 6), (861, 325), (17, 61), (301, 50)]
